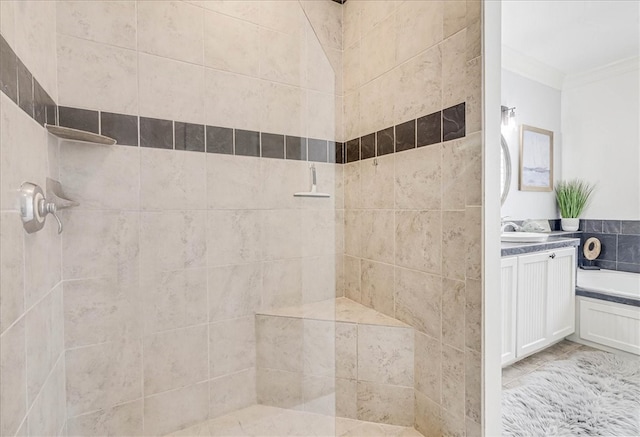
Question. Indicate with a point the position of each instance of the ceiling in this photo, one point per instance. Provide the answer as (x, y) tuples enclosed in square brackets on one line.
[(572, 36)]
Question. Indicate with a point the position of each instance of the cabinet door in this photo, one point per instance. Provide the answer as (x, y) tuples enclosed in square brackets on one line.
[(561, 287), (508, 287), (532, 303)]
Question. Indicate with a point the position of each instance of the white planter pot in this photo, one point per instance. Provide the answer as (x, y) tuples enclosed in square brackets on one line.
[(570, 224)]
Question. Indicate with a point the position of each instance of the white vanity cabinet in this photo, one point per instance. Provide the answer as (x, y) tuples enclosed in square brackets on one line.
[(538, 301)]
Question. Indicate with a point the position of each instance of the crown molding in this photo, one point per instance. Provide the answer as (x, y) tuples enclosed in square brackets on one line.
[(604, 72), (531, 68)]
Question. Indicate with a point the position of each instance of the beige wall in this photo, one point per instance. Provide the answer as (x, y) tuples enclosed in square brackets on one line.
[(413, 219), (32, 380), (170, 253)]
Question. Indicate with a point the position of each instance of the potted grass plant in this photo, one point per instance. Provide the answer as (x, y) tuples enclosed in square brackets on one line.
[(573, 198)]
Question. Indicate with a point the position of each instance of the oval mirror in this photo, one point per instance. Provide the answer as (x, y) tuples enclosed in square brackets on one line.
[(505, 170)]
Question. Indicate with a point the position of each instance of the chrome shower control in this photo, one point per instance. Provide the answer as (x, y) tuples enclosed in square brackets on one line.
[(34, 208)]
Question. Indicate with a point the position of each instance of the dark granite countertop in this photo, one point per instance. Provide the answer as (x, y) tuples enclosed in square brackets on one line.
[(554, 242)]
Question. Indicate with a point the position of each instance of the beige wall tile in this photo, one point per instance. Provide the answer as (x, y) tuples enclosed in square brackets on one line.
[(317, 237), (246, 10), (44, 341), (282, 283), (377, 287), (233, 182), (353, 227), (418, 84), (47, 414), (35, 42), (232, 346), (320, 115), (235, 235), (453, 175), (232, 392), (319, 349), (174, 410), (352, 278), (13, 374), (428, 367), (455, 16), (453, 244), (372, 13), (452, 425), (234, 291), (319, 394), (231, 44), (170, 89), (281, 233), (377, 104), (473, 225), (376, 235), (175, 359), (286, 17), (428, 416), (378, 47), (101, 243), (377, 182), (473, 429), (97, 76), (418, 26), (283, 109), (453, 395), (352, 128), (171, 180), (473, 315), (352, 186), (170, 29), (112, 23), (318, 278), (279, 343), (103, 375), (346, 351), (183, 242), (280, 57), (125, 419), (11, 269), (473, 118), (173, 300), (474, 40), (41, 270), (8, 22), (351, 29), (101, 177), (418, 240), (453, 313), (385, 355), (346, 398), (279, 388), (453, 69), (473, 172), (352, 68), (473, 382), (233, 100), (419, 300), (326, 21), (385, 403), (283, 176), (418, 177), (323, 64)]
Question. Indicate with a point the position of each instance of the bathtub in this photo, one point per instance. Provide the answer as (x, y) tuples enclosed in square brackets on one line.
[(608, 310)]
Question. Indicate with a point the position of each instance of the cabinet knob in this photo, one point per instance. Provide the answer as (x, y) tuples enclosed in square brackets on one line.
[(552, 256)]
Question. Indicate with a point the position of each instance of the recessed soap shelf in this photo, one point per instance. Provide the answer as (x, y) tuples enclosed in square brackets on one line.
[(67, 133)]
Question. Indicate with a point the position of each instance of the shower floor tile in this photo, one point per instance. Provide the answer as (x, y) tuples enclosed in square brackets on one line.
[(262, 420)]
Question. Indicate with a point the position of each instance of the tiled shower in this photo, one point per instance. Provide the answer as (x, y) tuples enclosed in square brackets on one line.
[(189, 283)]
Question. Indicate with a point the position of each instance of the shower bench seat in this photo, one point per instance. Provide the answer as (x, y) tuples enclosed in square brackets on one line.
[(336, 357)]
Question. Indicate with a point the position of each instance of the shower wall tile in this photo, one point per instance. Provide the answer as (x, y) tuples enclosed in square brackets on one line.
[(173, 410), (234, 291), (281, 233), (94, 75), (124, 419), (81, 119), (319, 356), (219, 140), (171, 181), (246, 143), (240, 53), (428, 415), (454, 64), (376, 282), (232, 392), (418, 27), (171, 89), (473, 107), (156, 133), (418, 242), (473, 383), (101, 178), (234, 100), (279, 343), (103, 375), (346, 351), (317, 150), (282, 283), (376, 183), (234, 182), (418, 176), (376, 235), (173, 300), (175, 359), (112, 23), (453, 244), (453, 381), (170, 29), (8, 71), (282, 109), (11, 269), (418, 300), (235, 235), (13, 394), (418, 85), (276, 46), (172, 240), (385, 355), (453, 313), (453, 122), (122, 128), (100, 310), (272, 145), (189, 137), (279, 388), (385, 403), (47, 415), (25, 89), (232, 346)]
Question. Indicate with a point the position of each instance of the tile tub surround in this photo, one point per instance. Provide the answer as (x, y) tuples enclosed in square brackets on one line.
[(361, 361), (620, 244)]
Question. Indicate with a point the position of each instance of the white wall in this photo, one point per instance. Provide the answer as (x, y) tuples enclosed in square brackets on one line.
[(600, 114), (536, 105)]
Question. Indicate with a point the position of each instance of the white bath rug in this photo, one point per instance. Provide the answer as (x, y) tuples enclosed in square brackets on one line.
[(590, 394)]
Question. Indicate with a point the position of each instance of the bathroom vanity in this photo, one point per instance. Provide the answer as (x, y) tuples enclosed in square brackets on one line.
[(538, 295)]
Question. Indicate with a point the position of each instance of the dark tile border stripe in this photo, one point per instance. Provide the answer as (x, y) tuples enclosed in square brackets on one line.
[(620, 241)]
